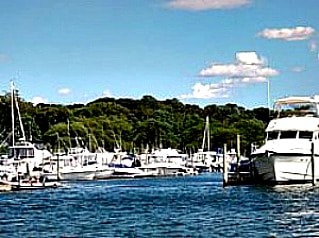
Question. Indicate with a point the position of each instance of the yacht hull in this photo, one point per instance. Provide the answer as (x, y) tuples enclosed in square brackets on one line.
[(77, 176), (104, 174), (285, 168)]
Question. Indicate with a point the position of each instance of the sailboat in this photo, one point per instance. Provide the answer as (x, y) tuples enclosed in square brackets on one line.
[(22, 169), (206, 160)]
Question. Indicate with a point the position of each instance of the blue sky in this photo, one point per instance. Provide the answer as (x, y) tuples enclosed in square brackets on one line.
[(199, 51)]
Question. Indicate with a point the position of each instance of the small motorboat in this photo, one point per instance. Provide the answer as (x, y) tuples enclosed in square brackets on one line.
[(31, 183)]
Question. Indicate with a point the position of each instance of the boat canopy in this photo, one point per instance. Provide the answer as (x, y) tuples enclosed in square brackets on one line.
[(298, 106), (294, 100)]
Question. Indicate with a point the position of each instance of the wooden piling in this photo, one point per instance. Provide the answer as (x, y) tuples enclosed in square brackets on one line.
[(58, 160), (238, 156), (225, 165), (313, 165)]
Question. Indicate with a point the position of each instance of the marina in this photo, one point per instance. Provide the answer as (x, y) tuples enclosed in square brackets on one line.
[(287, 157), (78, 192), (162, 118)]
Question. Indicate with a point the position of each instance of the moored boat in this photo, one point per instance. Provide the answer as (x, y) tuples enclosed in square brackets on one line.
[(29, 183), (286, 156)]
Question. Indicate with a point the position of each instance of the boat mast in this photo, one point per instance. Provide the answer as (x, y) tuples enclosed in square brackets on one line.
[(14, 103), (206, 133), (12, 113), (20, 120)]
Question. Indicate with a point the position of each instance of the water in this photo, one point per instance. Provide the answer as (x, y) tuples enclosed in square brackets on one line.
[(196, 206)]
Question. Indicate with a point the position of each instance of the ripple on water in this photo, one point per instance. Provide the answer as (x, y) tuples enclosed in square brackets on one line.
[(173, 207)]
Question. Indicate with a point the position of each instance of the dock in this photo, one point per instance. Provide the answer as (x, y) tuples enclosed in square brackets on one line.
[(237, 176)]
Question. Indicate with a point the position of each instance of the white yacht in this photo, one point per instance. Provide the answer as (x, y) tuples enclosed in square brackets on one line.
[(24, 156), (127, 166), (77, 164), (167, 162), (206, 161), (286, 156)]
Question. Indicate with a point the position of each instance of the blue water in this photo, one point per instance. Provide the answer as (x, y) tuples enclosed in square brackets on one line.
[(195, 206)]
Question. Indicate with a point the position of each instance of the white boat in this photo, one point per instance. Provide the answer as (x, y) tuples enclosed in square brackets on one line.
[(78, 165), (103, 172), (167, 162), (30, 183), (167, 169), (24, 156), (127, 166), (168, 155), (286, 156), (205, 161)]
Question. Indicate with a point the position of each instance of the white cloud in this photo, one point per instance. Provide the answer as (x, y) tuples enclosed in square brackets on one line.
[(298, 69), (249, 68), (199, 5), (248, 64), (206, 91), (249, 58), (288, 34), (64, 91), (37, 100)]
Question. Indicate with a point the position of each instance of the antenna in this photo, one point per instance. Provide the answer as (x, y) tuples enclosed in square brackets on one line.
[(208, 133), (268, 93)]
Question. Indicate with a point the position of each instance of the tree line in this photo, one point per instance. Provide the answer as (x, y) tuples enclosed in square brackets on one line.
[(135, 125)]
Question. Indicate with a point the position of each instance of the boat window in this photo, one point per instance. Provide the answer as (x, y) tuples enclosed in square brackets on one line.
[(288, 134), (305, 134), (25, 153), (21, 152), (272, 135)]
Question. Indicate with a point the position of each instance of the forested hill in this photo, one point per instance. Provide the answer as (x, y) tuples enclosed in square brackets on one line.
[(139, 124)]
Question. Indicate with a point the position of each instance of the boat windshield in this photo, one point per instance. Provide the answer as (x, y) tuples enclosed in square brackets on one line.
[(305, 135), (272, 135), (296, 109), (288, 134)]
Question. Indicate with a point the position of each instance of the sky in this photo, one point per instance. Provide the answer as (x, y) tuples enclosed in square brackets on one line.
[(201, 52)]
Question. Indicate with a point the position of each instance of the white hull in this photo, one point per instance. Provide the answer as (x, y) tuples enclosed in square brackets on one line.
[(28, 185), (103, 174), (168, 169), (84, 173), (77, 175), (130, 173), (285, 168)]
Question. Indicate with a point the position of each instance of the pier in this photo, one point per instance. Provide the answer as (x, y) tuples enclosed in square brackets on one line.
[(233, 176)]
